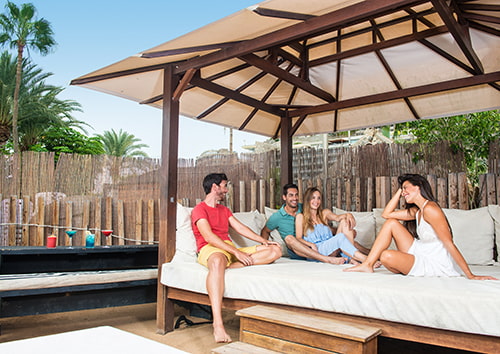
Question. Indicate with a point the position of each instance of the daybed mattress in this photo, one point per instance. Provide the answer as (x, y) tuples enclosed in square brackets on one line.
[(55, 280), (453, 303)]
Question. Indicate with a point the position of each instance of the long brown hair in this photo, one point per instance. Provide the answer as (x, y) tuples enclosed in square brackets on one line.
[(308, 222), (425, 191)]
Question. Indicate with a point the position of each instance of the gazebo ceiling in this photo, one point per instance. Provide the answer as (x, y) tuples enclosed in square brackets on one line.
[(328, 65)]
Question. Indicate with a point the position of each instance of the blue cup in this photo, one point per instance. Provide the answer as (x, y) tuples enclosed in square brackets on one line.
[(89, 241)]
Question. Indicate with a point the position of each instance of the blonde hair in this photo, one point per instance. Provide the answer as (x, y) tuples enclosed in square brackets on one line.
[(308, 222)]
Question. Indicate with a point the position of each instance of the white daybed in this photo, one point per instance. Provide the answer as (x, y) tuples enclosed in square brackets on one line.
[(454, 312)]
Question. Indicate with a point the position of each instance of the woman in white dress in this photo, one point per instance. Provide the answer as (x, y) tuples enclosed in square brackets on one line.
[(424, 250)]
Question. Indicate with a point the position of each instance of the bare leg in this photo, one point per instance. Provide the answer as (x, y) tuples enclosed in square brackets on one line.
[(302, 250), (217, 264), (391, 229), (266, 254), (351, 236)]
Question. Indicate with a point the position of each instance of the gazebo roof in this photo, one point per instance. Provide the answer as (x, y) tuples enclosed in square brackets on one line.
[(327, 65)]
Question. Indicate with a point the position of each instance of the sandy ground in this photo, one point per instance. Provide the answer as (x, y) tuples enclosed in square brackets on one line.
[(140, 320)]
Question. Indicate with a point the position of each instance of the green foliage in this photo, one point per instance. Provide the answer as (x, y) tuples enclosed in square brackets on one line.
[(121, 144), (67, 140), (470, 133), (20, 29)]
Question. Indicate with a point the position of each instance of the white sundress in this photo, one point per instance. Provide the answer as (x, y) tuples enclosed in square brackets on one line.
[(431, 258)]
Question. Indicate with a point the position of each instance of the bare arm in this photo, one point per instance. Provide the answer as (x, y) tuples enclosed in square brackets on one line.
[(329, 215), (265, 233), (390, 211), (436, 218)]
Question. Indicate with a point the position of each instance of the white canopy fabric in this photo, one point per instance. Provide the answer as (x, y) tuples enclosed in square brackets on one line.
[(328, 65)]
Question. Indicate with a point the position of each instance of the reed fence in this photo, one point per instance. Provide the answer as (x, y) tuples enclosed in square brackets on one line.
[(28, 222), (41, 197)]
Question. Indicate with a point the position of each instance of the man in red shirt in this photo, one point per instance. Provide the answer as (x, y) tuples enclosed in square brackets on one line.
[(216, 250)]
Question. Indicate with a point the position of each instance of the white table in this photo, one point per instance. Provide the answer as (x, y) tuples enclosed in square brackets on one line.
[(97, 340)]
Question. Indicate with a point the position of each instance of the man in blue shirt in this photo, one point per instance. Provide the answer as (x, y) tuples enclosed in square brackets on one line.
[(284, 221)]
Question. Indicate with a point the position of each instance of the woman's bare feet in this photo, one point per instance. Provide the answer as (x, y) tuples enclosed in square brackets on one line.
[(335, 260), (221, 335), (360, 268)]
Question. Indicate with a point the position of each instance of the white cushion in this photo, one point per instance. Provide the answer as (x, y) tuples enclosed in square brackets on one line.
[(254, 220), (494, 211), (473, 233), (275, 234), (365, 226), (379, 222), (185, 245)]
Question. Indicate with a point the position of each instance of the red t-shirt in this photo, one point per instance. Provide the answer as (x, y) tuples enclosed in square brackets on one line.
[(217, 217)]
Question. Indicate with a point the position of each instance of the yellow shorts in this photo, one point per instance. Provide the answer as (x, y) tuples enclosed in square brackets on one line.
[(208, 250)]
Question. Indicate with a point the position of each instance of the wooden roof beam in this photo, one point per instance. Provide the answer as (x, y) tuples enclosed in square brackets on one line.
[(272, 69), (400, 94), (459, 33)]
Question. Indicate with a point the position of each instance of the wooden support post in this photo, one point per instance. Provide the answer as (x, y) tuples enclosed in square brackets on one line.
[(230, 196), (490, 189), (151, 221), (97, 222), (442, 192), (328, 197), (463, 191), (262, 195), (108, 215), (339, 193), (68, 212), (300, 184), (357, 194), (138, 222), (272, 193), (120, 222), (370, 193), (253, 195), (348, 195), (482, 191), (243, 202), (25, 241), (13, 221), (452, 191), (40, 237), (55, 221), (168, 195), (85, 220)]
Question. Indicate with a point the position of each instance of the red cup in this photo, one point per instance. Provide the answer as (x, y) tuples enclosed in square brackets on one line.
[(51, 241)]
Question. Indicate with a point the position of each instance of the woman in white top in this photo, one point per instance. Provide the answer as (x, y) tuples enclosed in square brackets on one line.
[(424, 242)]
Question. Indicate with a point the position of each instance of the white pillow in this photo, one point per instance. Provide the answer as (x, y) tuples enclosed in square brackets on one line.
[(365, 226), (494, 211), (379, 222), (185, 245), (473, 233), (254, 220), (275, 234)]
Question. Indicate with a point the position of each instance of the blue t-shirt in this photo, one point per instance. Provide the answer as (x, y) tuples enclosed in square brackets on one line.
[(284, 222)]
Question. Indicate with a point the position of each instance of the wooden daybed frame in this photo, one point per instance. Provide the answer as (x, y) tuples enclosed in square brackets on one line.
[(433, 336)]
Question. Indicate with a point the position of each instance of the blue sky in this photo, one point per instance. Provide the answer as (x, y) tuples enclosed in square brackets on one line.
[(91, 34)]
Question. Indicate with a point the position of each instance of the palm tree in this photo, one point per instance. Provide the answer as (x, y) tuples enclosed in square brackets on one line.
[(121, 144), (39, 107), (21, 29)]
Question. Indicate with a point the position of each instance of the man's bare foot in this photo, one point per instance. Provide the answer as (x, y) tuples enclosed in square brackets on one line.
[(360, 268), (221, 335), (335, 260)]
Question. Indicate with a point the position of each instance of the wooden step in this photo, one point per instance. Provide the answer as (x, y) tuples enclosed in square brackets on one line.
[(241, 348), (292, 332)]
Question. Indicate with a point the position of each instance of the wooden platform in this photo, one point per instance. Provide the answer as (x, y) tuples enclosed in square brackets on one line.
[(291, 332)]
